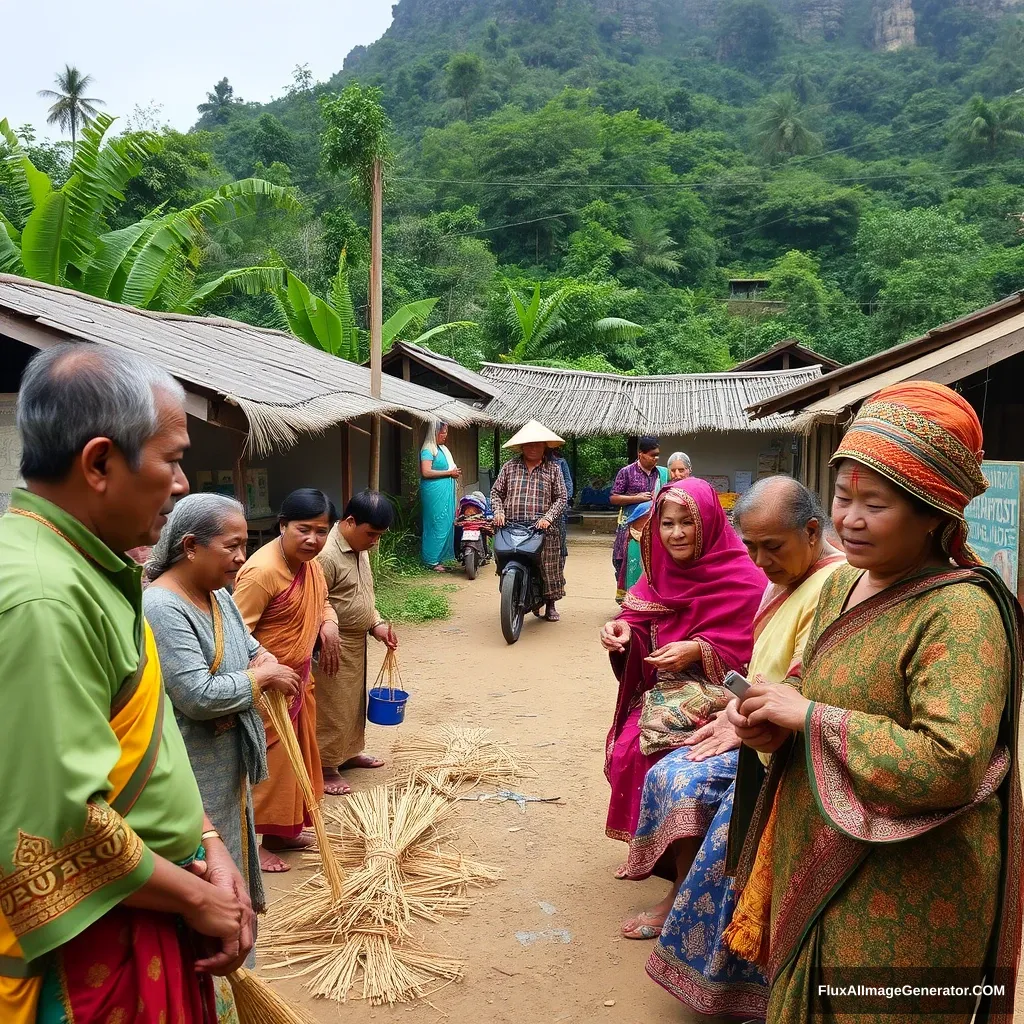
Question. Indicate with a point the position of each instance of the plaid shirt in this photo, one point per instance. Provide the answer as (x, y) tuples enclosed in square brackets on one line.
[(525, 496)]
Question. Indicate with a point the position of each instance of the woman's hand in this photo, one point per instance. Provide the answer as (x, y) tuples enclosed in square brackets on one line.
[(217, 913), (272, 675), (219, 870), (615, 636), (775, 704), (455, 474), (717, 737), (330, 648), (264, 657), (674, 656), (385, 633)]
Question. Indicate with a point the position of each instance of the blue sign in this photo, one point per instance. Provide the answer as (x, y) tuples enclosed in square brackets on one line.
[(994, 520)]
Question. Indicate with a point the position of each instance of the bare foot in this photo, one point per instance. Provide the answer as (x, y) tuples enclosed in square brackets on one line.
[(645, 925), (303, 841), (440, 568), (363, 761), (621, 873), (334, 784), (271, 864)]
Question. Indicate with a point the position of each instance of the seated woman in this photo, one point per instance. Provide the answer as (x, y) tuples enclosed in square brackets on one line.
[(282, 595), (894, 828), (632, 567), (782, 525), (213, 669), (685, 624)]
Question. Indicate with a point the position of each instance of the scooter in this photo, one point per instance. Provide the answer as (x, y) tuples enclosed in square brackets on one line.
[(517, 551), (475, 530)]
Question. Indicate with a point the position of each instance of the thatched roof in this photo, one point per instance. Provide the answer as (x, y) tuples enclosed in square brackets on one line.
[(574, 403), (445, 366), (284, 387)]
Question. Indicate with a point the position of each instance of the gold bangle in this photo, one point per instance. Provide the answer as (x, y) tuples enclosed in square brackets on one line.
[(210, 834)]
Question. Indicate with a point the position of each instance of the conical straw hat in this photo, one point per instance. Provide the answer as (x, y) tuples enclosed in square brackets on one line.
[(532, 433)]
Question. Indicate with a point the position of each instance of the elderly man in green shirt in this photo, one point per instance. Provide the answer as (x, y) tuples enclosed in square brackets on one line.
[(106, 913)]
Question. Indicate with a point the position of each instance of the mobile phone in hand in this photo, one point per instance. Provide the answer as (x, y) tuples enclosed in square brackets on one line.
[(737, 684)]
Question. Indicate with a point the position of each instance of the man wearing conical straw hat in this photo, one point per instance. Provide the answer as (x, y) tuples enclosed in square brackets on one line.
[(530, 489)]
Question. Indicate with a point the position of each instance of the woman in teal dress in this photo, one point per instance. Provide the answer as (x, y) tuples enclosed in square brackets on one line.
[(438, 484)]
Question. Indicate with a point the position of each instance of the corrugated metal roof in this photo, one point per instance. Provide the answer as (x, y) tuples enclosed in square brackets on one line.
[(574, 403), (284, 387), (445, 365)]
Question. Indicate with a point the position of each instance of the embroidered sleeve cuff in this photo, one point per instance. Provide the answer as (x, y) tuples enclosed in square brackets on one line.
[(256, 689)]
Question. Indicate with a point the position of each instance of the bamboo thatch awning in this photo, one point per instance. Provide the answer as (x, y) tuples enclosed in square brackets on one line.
[(283, 387), (578, 404)]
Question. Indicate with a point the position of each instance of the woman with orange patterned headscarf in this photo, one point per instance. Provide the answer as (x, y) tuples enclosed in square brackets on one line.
[(892, 852)]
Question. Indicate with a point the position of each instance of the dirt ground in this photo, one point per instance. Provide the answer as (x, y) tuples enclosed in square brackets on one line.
[(543, 945)]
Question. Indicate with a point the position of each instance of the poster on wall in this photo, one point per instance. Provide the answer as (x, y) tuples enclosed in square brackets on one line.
[(10, 450), (994, 521)]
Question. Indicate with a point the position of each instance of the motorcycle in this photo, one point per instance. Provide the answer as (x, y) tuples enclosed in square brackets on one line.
[(474, 532), (517, 551)]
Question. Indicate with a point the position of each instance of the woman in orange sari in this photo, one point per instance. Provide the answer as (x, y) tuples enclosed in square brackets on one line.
[(282, 595)]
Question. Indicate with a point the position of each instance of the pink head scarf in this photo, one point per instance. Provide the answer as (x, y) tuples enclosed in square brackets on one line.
[(713, 597)]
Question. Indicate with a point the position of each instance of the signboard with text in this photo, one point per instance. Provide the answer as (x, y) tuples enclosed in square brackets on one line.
[(994, 521)]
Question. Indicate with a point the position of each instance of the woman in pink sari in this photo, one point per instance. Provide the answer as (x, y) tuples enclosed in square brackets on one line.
[(684, 625)]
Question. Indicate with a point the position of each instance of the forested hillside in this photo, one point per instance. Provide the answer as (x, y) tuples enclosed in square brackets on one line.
[(632, 156)]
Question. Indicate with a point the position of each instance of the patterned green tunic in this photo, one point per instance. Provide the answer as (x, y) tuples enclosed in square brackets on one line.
[(888, 852)]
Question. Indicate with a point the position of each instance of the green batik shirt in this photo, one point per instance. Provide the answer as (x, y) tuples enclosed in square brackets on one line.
[(70, 623)]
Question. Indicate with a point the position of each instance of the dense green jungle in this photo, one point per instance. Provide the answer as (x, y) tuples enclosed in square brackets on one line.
[(574, 182)]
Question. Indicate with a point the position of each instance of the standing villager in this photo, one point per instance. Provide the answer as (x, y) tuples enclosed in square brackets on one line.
[(679, 467), (890, 821), (563, 523), (782, 526), (530, 489), (341, 698), (632, 567), (439, 481), (282, 595), (102, 820), (214, 669), (634, 484), (687, 622)]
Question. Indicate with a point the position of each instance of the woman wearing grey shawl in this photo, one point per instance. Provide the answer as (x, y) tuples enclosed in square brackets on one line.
[(213, 668)]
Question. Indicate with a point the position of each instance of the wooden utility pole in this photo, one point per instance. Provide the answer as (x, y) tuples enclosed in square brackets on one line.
[(376, 314)]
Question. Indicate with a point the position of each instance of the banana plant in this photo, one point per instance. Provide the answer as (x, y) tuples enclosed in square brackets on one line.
[(62, 236), (331, 325)]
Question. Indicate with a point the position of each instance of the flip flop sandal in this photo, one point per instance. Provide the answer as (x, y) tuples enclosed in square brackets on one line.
[(636, 929)]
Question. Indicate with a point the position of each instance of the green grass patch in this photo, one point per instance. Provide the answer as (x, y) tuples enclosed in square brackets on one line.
[(402, 601)]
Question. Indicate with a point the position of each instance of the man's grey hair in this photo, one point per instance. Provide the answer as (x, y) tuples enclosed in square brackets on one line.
[(202, 516), (75, 392), (799, 507), (679, 457)]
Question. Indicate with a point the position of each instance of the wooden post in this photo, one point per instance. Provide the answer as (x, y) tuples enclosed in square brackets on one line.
[(376, 315)]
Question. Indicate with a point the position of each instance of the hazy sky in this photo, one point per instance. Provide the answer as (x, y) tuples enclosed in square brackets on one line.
[(173, 52)]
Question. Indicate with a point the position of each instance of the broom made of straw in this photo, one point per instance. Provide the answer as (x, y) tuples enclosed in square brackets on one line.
[(257, 1003), (277, 709)]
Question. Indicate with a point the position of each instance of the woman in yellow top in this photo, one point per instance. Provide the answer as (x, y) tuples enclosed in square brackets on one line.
[(782, 526), (282, 595)]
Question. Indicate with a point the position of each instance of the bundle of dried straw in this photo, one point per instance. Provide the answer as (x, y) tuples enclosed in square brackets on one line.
[(277, 709), (456, 758), (257, 1003)]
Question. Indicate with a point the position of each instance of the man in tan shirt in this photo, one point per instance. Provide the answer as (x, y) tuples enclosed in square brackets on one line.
[(341, 698)]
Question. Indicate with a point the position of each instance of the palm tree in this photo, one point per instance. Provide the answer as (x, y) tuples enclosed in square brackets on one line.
[(651, 246), (72, 110), (781, 132), (535, 326), (220, 101), (991, 127)]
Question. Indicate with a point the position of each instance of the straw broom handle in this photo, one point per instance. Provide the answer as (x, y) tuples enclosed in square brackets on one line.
[(277, 709), (257, 1003)]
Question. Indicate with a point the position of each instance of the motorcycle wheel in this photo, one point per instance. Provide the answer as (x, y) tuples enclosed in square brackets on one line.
[(469, 561), (511, 606)]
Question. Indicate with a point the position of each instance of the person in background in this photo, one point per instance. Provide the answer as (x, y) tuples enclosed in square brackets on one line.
[(530, 489), (889, 829), (341, 698), (563, 523), (634, 484), (632, 565), (439, 477), (687, 622), (102, 822), (214, 670), (679, 466), (282, 595), (781, 524)]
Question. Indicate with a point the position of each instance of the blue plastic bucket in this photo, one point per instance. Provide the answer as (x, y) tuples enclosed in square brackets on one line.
[(386, 707)]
